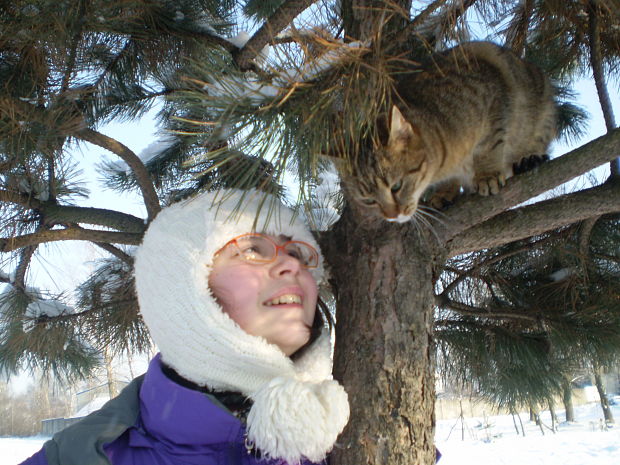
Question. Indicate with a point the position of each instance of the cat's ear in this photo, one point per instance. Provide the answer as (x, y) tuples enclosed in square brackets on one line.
[(400, 129)]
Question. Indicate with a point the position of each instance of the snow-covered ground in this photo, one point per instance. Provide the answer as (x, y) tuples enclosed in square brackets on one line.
[(580, 443), (16, 450), (584, 442)]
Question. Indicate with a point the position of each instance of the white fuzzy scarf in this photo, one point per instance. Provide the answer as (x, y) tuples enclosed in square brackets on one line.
[(298, 409)]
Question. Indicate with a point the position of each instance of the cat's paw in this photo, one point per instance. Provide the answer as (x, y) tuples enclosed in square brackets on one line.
[(529, 163), (490, 185), (439, 202), (443, 195)]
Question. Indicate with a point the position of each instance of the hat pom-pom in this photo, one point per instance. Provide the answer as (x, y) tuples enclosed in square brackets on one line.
[(292, 420)]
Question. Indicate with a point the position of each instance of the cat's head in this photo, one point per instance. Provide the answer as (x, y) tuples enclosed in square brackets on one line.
[(389, 181)]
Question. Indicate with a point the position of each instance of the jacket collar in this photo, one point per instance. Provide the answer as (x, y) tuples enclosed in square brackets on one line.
[(179, 415)]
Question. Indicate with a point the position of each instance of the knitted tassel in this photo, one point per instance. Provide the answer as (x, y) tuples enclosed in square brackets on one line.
[(293, 420)]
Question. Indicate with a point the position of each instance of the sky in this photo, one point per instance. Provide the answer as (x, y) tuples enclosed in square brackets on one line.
[(485, 440)]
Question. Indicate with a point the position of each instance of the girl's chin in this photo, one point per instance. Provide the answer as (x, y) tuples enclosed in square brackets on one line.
[(293, 344)]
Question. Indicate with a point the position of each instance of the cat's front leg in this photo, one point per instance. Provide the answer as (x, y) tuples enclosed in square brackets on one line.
[(443, 194), (491, 171), (486, 184)]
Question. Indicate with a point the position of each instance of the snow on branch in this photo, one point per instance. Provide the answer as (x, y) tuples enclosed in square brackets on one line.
[(6, 277), (41, 307), (257, 92), (150, 152)]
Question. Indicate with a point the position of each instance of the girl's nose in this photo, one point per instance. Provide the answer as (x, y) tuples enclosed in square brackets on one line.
[(285, 263)]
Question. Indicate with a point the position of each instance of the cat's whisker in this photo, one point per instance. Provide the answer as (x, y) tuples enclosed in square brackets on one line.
[(417, 226), (421, 219), (431, 210), (433, 214)]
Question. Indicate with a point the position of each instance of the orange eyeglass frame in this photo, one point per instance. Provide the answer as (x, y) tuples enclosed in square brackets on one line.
[(282, 247)]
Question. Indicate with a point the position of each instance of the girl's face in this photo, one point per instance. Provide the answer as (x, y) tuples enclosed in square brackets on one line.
[(276, 301)]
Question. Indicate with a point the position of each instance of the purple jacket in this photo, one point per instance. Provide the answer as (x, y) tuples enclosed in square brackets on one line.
[(154, 421)]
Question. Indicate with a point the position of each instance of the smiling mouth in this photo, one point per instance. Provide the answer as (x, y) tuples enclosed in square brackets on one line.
[(284, 299)]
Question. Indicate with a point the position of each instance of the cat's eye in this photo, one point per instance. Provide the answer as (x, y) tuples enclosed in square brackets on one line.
[(396, 187), (369, 201)]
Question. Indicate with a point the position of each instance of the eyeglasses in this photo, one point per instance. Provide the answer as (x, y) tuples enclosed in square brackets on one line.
[(261, 249)]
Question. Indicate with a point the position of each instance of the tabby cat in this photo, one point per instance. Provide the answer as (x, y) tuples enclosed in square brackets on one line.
[(459, 122)]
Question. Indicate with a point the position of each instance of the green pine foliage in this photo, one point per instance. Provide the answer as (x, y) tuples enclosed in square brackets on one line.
[(110, 308), (69, 67), (37, 342), (544, 308)]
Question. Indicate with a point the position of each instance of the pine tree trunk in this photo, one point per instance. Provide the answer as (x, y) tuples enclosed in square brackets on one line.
[(598, 380), (567, 399), (107, 358), (44, 398), (382, 278), (554, 417)]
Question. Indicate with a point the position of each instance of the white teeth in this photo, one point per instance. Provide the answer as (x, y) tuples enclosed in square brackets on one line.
[(285, 299)]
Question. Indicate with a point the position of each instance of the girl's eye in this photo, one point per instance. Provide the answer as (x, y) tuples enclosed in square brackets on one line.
[(295, 254)]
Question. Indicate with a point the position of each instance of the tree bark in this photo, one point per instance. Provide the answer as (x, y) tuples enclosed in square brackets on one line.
[(473, 209), (383, 353), (535, 219), (68, 234), (596, 63), (383, 341), (567, 399), (280, 19), (112, 391), (373, 19), (123, 222), (554, 417), (151, 200), (598, 381)]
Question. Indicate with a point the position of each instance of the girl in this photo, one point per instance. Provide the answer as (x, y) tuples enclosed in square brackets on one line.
[(229, 295)]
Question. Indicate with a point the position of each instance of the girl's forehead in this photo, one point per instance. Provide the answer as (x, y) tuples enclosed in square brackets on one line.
[(278, 239)]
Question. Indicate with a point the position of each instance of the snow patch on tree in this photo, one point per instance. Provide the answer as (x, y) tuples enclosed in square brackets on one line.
[(151, 151), (561, 274)]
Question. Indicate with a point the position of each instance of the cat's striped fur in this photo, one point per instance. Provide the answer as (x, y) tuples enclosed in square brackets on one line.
[(459, 122)]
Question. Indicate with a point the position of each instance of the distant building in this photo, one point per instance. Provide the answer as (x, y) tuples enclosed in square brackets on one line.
[(87, 401)]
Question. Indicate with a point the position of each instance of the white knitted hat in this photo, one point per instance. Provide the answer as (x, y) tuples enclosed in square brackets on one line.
[(298, 409)]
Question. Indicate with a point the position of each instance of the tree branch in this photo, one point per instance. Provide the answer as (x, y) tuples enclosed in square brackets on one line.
[(272, 27), (151, 200), (118, 253), (468, 310), (24, 262), (474, 209), (24, 200), (211, 39), (452, 13), (537, 218), (54, 213), (99, 216), (584, 235), (77, 36), (472, 272), (596, 63), (68, 234)]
